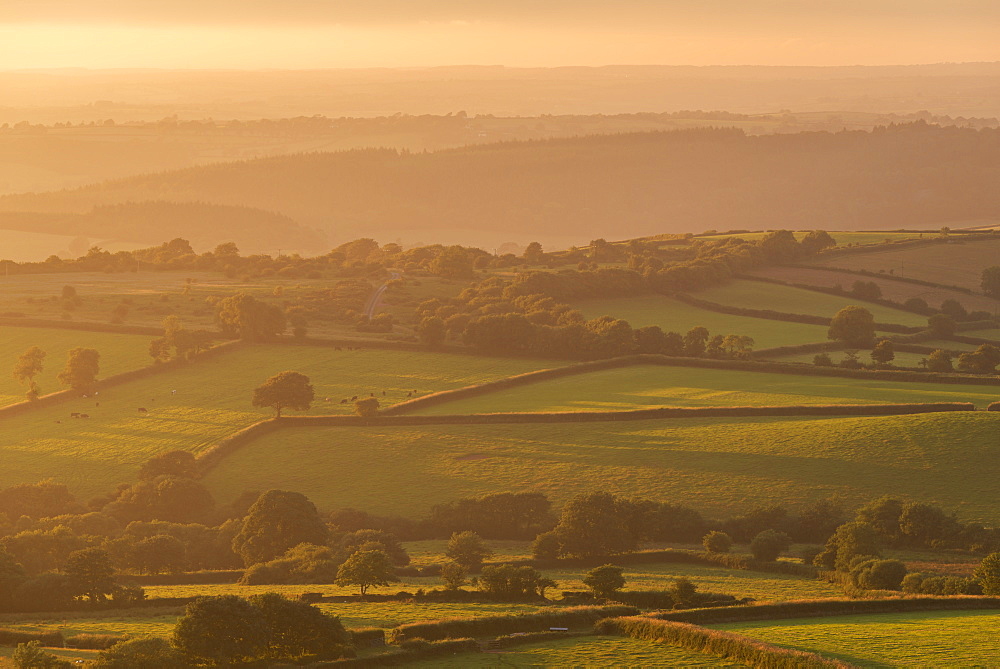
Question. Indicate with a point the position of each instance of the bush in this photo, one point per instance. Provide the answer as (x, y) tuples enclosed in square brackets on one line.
[(878, 574), (148, 653), (994, 406), (605, 581), (94, 641), (769, 544), (717, 542)]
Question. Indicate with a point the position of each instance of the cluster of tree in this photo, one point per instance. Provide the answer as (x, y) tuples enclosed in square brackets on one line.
[(80, 373), (177, 342)]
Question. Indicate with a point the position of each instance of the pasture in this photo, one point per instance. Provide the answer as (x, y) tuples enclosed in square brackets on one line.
[(587, 651), (761, 295), (926, 639), (676, 316), (643, 387), (718, 466), (902, 360), (956, 263), (842, 237), (119, 353), (892, 289), (192, 407)]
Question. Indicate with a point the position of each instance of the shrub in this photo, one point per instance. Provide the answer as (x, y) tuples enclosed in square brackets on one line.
[(994, 406), (605, 580), (878, 574), (547, 546), (717, 542), (148, 653), (822, 360), (94, 641), (988, 574), (769, 544)]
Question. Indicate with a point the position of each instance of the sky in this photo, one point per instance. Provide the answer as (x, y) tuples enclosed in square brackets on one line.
[(254, 34)]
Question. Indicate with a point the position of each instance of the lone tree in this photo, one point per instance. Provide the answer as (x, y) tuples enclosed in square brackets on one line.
[(468, 550), (277, 521), (605, 581), (769, 544), (988, 574), (27, 367), (854, 325), (221, 631), (367, 407), (82, 368), (248, 318), (365, 568), (285, 390), (883, 353)]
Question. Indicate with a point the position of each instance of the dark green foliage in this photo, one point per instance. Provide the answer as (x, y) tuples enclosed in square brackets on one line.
[(496, 625), (145, 652), (387, 541), (941, 325), (745, 527), (928, 584), (596, 524), (366, 568), (31, 656), (883, 353), (431, 331), (769, 544), (277, 521), (287, 390), (27, 367), (866, 290), (170, 498), (605, 581), (878, 574), (90, 574), (222, 631), (305, 563), (509, 583), (991, 281), (505, 515), (954, 309), (297, 631), (983, 360), (82, 368), (850, 541), (822, 360), (367, 407), (940, 361), (546, 546), (853, 325), (172, 463), (988, 574), (717, 542), (158, 554), (453, 575), (468, 549), (44, 499), (245, 317), (683, 592)]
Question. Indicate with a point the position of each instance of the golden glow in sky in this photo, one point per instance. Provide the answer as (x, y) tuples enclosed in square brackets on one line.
[(387, 33)]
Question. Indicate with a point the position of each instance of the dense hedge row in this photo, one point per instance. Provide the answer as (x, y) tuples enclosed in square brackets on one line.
[(727, 645), (498, 625), (94, 641), (521, 639), (826, 607), (782, 316), (413, 650), (84, 327), (890, 277), (832, 290), (11, 637)]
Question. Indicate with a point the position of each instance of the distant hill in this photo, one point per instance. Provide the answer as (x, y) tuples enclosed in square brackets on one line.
[(618, 186)]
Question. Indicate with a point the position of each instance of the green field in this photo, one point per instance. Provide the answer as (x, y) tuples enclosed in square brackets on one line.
[(589, 651), (119, 353), (841, 237), (672, 315), (643, 387), (762, 295), (953, 264), (993, 333), (926, 639), (718, 466), (211, 401)]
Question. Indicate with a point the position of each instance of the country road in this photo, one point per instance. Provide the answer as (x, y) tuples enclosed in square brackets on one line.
[(376, 297)]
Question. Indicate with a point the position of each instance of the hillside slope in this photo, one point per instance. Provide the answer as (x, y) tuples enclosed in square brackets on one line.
[(634, 184)]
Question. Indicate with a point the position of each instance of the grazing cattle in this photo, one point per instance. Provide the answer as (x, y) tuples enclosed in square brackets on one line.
[(143, 410), (383, 393), (84, 415), (97, 404), (344, 401), (371, 394), (75, 414), (354, 399)]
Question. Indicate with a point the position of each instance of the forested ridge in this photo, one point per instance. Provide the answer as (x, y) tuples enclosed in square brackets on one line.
[(907, 175)]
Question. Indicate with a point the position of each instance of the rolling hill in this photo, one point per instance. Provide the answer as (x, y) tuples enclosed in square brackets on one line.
[(640, 183)]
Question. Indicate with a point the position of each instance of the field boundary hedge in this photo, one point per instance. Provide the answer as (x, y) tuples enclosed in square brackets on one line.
[(501, 625), (817, 608), (769, 314), (831, 290), (108, 328), (726, 645), (117, 380), (876, 275)]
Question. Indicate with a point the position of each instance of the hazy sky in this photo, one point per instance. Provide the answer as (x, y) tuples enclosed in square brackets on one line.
[(401, 33)]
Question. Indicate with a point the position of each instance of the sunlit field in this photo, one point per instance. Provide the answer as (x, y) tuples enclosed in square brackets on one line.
[(672, 315), (643, 387), (119, 353), (760, 295), (193, 407), (718, 466), (926, 639)]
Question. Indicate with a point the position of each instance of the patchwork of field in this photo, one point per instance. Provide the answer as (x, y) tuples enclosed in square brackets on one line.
[(643, 387), (672, 315), (926, 639), (842, 238), (761, 295), (718, 466), (896, 291), (993, 333), (956, 263), (193, 407), (588, 651), (119, 353)]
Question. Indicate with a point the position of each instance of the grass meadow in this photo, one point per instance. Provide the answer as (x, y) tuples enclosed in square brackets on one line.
[(718, 466), (760, 295), (588, 651), (926, 639), (639, 387), (672, 315), (211, 401), (954, 264), (119, 353)]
